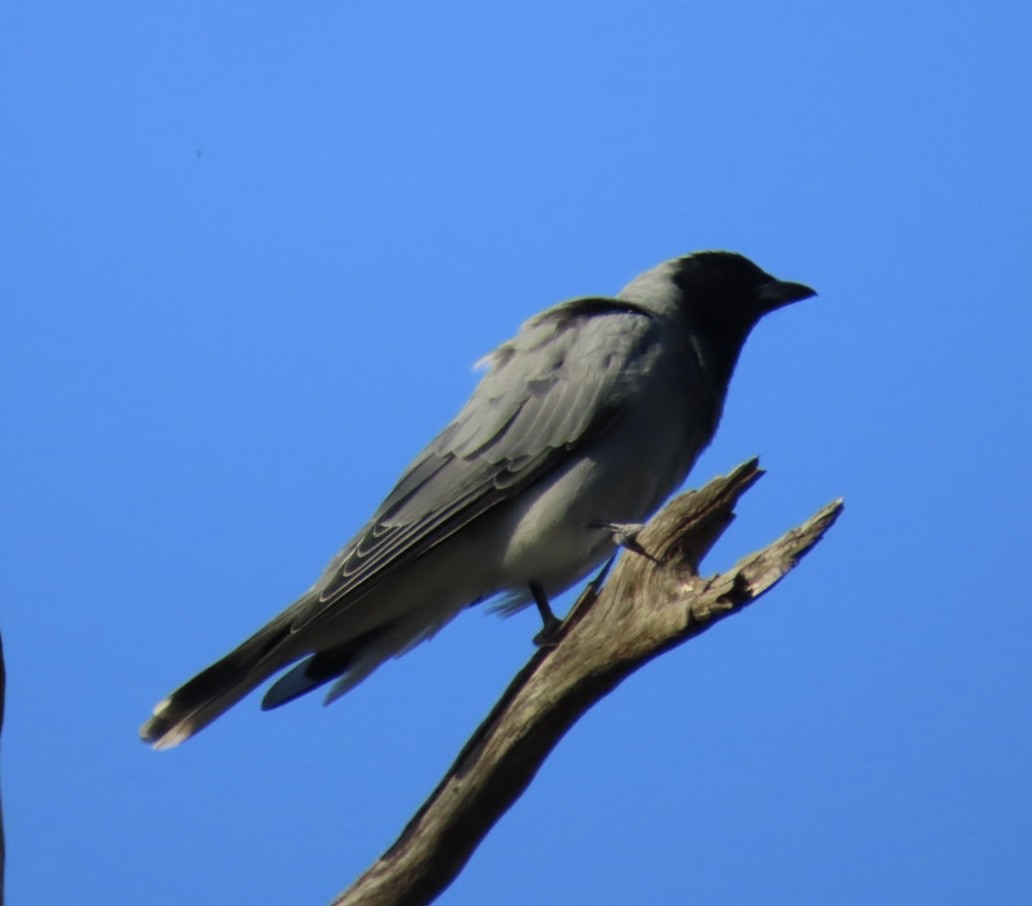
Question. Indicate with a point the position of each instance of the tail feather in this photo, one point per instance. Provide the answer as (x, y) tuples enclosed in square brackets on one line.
[(325, 666), (213, 691)]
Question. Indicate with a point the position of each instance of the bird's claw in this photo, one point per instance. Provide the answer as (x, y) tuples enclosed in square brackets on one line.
[(548, 637), (625, 535)]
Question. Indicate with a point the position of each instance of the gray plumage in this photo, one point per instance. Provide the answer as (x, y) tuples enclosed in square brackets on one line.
[(592, 414)]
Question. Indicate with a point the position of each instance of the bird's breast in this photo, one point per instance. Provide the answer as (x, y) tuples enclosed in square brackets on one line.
[(621, 476)]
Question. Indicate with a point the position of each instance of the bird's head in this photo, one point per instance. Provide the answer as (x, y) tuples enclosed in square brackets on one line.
[(730, 283), (722, 286), (717, 296)]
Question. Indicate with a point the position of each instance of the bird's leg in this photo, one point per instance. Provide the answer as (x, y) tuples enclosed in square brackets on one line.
[(549, 635), (625, 534)]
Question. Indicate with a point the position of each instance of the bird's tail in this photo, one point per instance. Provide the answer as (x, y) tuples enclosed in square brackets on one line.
[(213, 691)]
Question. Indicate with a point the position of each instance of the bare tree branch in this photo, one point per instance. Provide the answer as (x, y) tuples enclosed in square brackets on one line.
[(652, 604)]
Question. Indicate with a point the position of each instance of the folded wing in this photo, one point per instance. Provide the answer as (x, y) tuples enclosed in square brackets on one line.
[(558, 383)]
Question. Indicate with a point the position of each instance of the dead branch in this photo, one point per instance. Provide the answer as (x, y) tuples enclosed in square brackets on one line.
[(652, 604)]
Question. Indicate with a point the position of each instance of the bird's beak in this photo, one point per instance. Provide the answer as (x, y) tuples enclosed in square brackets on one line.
[(779, 293)]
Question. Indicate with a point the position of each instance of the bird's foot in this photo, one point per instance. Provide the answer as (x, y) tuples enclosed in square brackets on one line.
[(625, 534)]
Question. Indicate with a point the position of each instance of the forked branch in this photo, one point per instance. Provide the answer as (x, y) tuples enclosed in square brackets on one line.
[(651, 604)]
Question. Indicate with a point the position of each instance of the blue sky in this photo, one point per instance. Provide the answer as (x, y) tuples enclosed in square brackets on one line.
[(248, 257)]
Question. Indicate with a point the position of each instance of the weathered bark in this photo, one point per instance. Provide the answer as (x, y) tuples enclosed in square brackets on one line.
[(655, 601)]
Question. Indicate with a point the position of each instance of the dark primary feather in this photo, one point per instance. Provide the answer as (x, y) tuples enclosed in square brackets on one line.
[(547, 391)]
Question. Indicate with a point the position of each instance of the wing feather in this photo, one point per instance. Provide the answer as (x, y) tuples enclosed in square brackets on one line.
[(556, 384)]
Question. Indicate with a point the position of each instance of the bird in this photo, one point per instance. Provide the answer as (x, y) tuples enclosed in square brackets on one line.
[(581, 426)]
